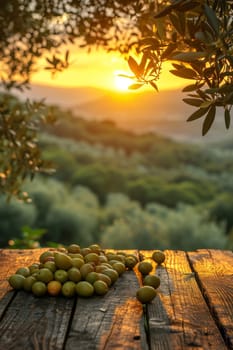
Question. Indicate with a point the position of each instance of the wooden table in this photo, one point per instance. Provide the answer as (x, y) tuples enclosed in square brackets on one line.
[(193, 308)]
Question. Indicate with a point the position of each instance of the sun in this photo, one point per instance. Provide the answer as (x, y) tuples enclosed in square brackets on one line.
[(122, 83)]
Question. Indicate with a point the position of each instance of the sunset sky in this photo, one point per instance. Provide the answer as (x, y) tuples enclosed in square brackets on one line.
[(99, 69)]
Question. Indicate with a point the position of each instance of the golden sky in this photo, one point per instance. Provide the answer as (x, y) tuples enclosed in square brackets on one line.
[(101, 70)]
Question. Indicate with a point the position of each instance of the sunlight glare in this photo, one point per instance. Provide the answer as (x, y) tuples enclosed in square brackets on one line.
[(122, 83), (100, 70)]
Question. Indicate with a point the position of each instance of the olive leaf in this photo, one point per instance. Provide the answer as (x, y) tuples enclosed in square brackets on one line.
[(227, 117), (133, 65), (192, 87), (197, 114), (189, 56), (185, 73), (193, 101), (209, 119), (211, 18), (152, 83), (135, 86)]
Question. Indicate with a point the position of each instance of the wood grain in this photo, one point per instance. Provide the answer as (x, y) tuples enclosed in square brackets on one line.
[(114, 321), (10, 261), (30, 322), (179, 317), (35, 323), (193, 308), (214, 270)]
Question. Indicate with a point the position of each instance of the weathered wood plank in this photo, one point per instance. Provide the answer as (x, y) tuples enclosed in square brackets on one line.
[(30, 322), (10, 260), (178, 318), (114, 321), (214, 270), (35, 323)]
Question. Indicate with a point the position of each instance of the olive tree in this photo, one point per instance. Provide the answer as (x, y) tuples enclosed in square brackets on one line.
[(196, 36)]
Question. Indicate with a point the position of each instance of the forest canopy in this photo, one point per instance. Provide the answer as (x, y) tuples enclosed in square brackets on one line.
[(196, 36), (145, 191)]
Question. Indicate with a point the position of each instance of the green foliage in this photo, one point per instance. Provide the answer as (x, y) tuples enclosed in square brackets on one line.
[(85, 196), (140, 166), (20, 154), (127, 196), (64, 225), (100, 179), (103, 132), (187, 228), (146, 189), (63, 162), (196, 36), (221, 210), (43, 28), (74, 215), (160, 227), (44, 194), (152, 189), (13, 216), (67, 215), (30, 238), (118, 205), (127, 225)]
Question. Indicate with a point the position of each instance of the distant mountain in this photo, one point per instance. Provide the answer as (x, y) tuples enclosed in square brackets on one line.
[(139, 112), (64, 97), (164, 112)]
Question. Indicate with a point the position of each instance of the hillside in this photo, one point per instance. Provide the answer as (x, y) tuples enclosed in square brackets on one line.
[(63, 97), (123, 189), (163, 113)]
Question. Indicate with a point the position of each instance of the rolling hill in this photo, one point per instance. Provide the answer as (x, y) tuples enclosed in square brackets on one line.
[(163, 113)]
